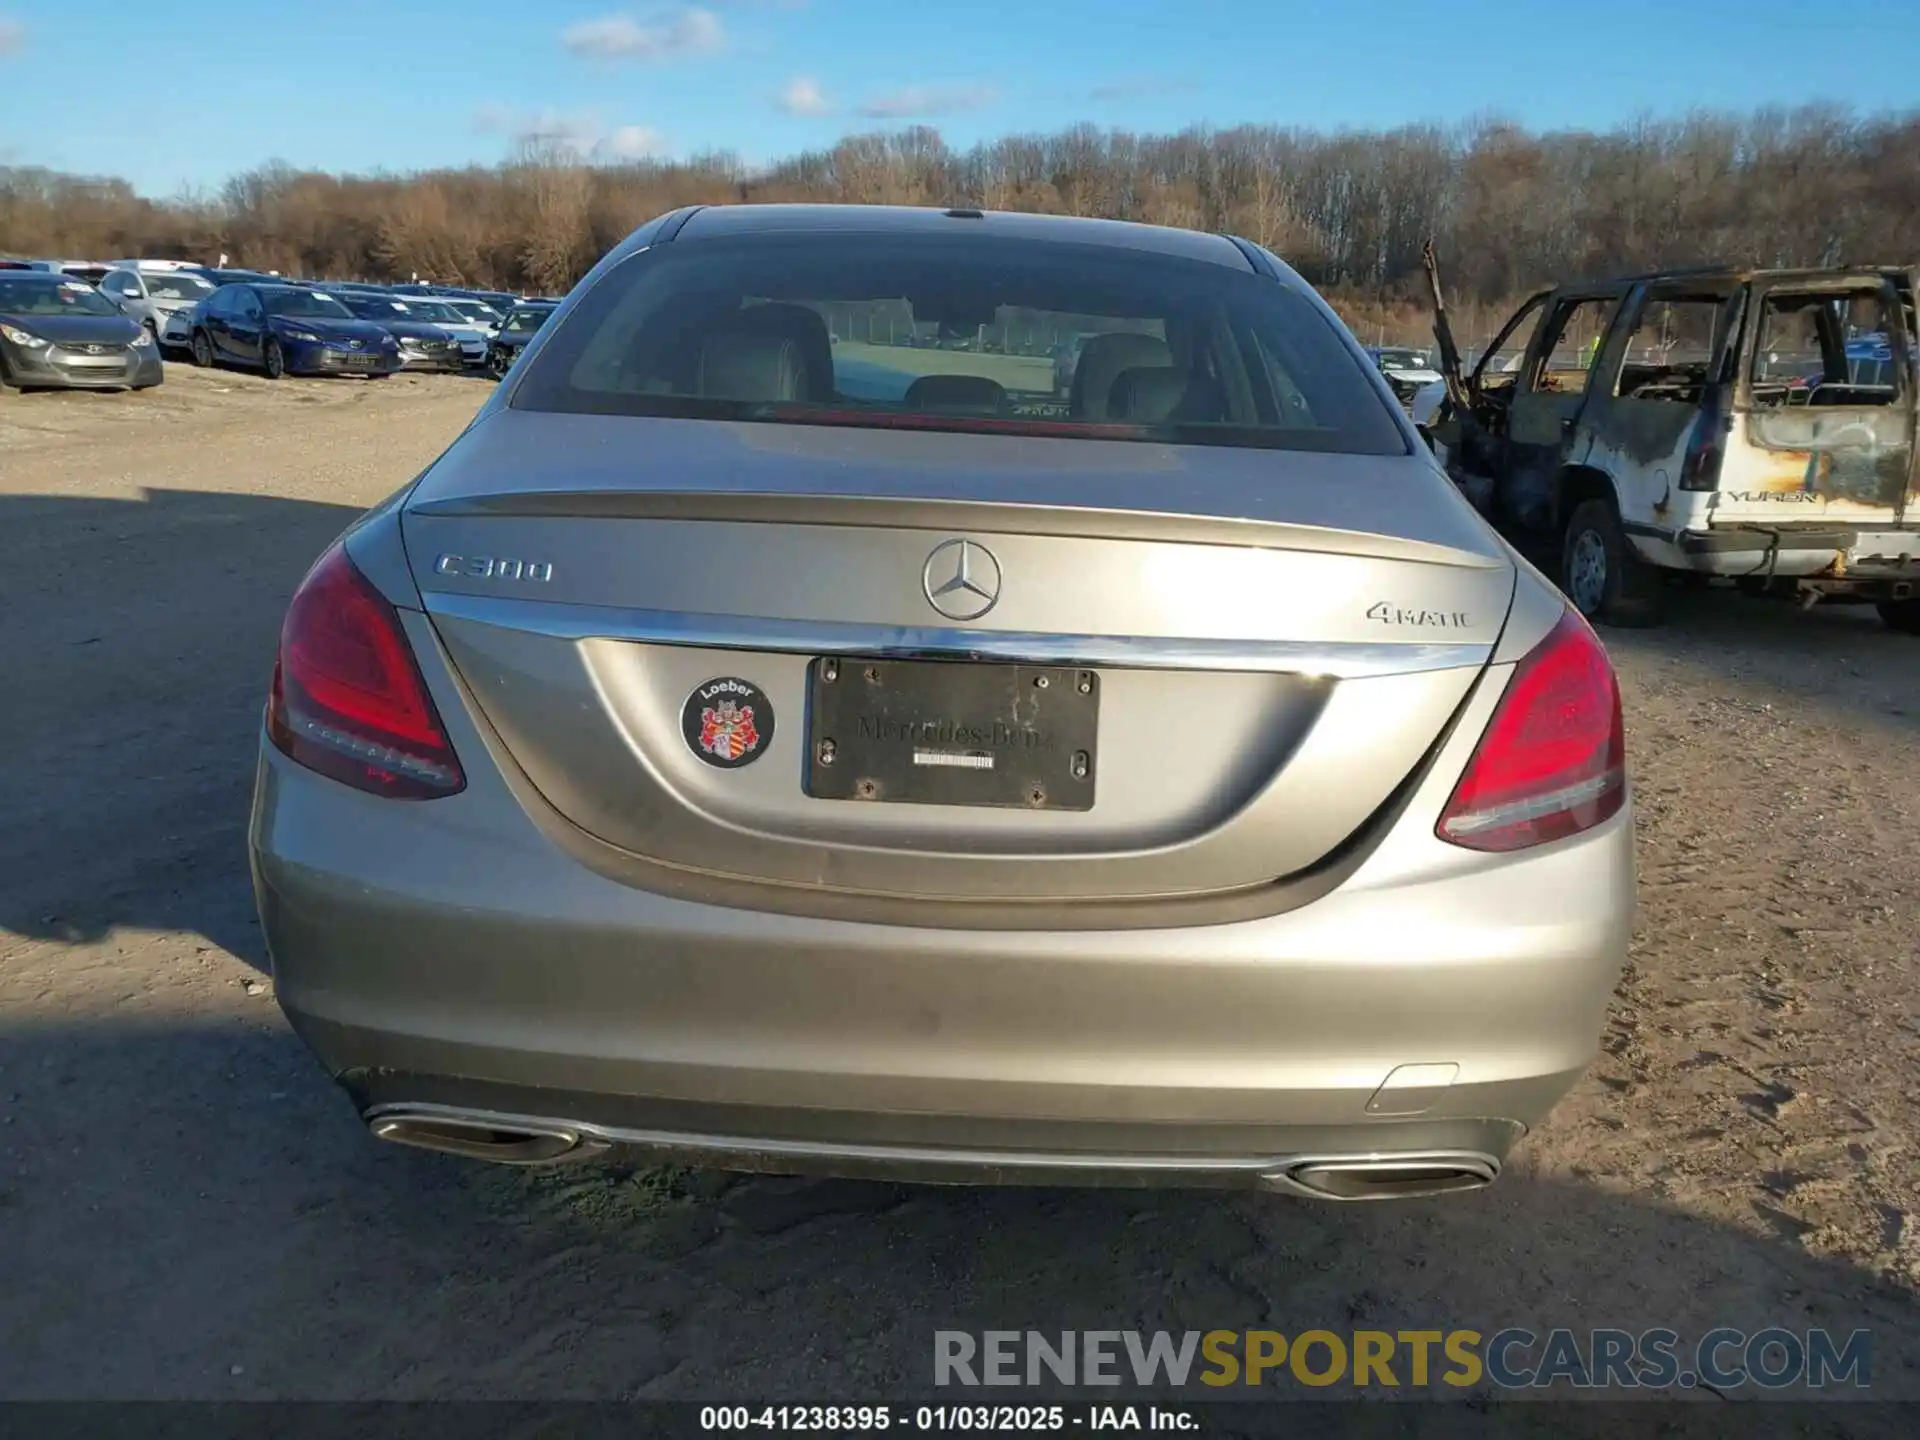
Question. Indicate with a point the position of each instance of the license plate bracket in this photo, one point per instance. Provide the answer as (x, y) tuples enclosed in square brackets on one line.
[(952, 732)]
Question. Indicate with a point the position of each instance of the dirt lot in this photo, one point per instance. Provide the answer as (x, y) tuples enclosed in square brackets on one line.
[(188, 1209)]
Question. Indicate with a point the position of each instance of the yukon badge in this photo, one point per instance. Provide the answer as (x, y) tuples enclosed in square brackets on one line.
[(727, 722)]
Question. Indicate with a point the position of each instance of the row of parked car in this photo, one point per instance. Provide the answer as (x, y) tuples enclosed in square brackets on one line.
[(87, 325)]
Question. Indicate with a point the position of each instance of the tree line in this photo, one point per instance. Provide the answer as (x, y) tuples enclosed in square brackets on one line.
[(1510, 208)]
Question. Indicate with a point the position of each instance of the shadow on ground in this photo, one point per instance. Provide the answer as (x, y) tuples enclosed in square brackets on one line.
[(137, 639), (191, 1211)]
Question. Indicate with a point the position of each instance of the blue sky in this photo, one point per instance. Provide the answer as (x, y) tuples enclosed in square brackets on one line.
[(186, 93)]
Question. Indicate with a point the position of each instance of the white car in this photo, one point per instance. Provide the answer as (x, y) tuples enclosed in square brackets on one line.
[(1406, 370), (479, 314), (436, 310), (160, 294)]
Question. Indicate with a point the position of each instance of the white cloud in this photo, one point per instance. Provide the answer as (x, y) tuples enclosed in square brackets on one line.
[(691, 31), (919, 102), (803, 96), (583, 134), (13, 36), (630, 142)]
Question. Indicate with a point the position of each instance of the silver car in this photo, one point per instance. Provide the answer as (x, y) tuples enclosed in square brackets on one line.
[(473, 338), (1171, 782), (162, 300), (59, 333)]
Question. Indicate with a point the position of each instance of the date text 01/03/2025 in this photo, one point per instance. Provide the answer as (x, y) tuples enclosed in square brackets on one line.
[(975, 1419)]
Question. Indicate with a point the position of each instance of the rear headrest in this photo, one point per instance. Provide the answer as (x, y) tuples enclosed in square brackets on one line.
[(1161, 395), (805, 328), (742, 363), (1101, 361), (956, 394)]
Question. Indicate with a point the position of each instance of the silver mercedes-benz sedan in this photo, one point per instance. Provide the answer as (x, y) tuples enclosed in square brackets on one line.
[(786, 731)]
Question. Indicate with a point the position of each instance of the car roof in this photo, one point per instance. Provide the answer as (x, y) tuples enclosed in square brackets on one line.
[(729, 220), (1718, 275)]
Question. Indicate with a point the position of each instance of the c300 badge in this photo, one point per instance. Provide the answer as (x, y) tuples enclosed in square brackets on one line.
[(728, 722)]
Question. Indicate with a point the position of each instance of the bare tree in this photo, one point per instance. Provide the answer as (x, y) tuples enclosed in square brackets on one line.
[(1510, 208)]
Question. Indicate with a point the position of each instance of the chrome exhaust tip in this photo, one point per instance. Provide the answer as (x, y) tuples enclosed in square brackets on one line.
[(478, 1136), (1388, 1176)]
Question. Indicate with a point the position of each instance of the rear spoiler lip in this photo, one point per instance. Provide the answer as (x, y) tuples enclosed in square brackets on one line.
[(919, 513)]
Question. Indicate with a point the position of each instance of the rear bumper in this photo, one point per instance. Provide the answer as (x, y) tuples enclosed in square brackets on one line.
[(450, 954), (1842, 558)]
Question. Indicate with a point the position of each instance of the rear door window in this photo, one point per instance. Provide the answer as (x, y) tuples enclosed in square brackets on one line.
[(1670, 355), (886, 330), (1824, 349)]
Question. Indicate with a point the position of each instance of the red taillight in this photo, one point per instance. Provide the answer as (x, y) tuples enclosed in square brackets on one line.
[(1553, 760), (1706, 448), (348, 699)]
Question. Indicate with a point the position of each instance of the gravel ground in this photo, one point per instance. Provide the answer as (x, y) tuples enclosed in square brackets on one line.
[(187, 1208)]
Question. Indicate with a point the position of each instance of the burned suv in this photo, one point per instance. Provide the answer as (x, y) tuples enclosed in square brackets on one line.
[(1751, 424)]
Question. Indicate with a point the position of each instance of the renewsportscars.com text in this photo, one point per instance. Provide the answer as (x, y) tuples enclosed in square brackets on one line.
[(1721, 1359)]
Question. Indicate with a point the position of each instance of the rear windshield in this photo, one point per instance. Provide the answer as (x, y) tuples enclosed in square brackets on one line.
[(974, 333)]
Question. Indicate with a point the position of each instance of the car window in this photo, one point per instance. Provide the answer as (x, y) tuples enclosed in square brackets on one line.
[(1824, 349), (524, 321), (1670, 351), (313, 304), (961, 333), (172, 285), (1577, 330), (120, 282), (49, 295)]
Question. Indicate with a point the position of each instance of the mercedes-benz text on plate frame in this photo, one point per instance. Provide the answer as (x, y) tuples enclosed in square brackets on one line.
[(961, 579), (1228, 808)]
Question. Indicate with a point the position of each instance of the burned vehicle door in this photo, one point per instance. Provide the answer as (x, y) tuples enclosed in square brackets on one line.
[(1658, 423), (1824, 429), (1475, 434), (1555, 380)]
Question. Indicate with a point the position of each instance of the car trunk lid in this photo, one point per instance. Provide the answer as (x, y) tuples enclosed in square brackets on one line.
[(1247, 651)]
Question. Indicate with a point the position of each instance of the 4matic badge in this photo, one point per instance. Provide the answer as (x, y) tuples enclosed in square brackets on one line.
[(728, 722)]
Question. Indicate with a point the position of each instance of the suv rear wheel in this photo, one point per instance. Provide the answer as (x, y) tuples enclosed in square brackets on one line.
[(1602, 575)]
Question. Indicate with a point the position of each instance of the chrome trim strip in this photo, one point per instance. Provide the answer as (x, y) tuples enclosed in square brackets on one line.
[(1340, 661), (1273, 1172)]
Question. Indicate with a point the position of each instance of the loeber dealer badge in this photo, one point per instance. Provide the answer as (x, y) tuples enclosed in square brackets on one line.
[(728, 722)]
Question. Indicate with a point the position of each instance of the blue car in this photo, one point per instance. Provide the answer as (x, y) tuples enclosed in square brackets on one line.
[(287, 330)]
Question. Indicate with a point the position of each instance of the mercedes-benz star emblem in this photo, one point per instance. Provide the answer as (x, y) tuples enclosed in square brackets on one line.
[(961, 579)]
